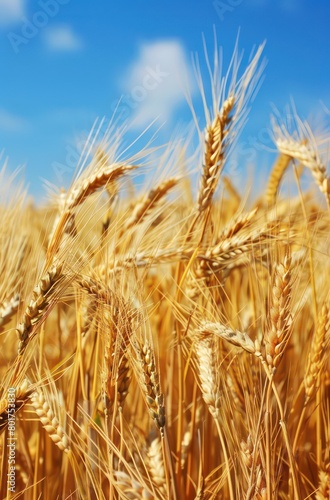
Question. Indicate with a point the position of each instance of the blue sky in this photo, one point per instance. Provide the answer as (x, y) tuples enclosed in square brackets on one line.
[(66, 62)]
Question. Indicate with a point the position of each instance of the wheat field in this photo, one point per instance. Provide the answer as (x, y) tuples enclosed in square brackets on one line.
[(170, 340)]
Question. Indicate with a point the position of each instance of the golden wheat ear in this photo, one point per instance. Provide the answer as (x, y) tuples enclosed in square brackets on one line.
[(231, 96), (276, 175), (79, 192), (8, 309), (316, 355), (280, 313), (101, 166), (50, 421), (149, 379), (234, 337), (214, 154), (303, 146), (207, 356), (39, 302), (116, 376), (149, 201)]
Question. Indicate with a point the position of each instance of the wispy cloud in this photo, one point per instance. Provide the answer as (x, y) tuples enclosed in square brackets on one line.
[(11, 123), (11, 12), (155, 83), (62, 38)]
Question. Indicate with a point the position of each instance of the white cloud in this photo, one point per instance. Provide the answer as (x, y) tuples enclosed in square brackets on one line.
[(11, 11), (10, 122), (155, 84), (62, 38)]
